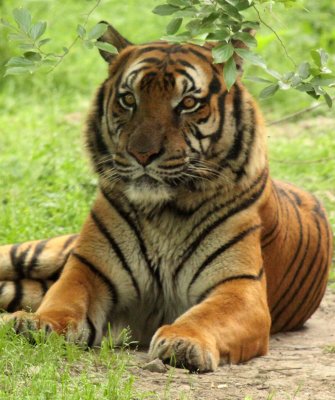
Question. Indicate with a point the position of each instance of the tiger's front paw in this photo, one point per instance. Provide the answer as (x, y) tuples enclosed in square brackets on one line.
[(26, 323), (184, 348)]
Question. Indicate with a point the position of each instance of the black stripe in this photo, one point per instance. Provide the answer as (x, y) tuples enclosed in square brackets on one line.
[(240, 207), (188, 76), (132, 225), (96, 143), (201, 56), (110, 285), (308, 273), (152, 60), (236, 148), (221, 250), (150, 48), (100, 100), (44, 285), (102, 228), (68, 241), (231, 278), (17, 261), (221, 106), (186, 64), (15, 304), (315, 285), (37, 252), (241, 170), (3, 284), (296, 197), (92, 334), (262, 177), (300, 242)]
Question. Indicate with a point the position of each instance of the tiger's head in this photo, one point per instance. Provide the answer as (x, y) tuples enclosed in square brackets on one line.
[(164, 123)]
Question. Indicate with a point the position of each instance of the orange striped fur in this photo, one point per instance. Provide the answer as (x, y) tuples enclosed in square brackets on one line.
[(190, 243)]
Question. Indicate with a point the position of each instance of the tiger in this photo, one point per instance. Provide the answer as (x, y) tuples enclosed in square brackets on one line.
[(190, 243)]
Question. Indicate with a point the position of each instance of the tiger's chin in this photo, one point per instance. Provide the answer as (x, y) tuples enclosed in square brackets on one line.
[(148, 192)]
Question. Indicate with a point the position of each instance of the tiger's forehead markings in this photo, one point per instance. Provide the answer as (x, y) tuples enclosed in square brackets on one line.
[(166, 63)]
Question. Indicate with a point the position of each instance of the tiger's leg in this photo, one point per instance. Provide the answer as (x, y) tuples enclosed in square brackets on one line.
[(231, 323)]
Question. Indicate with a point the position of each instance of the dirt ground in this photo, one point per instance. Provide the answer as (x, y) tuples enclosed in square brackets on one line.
[(300, 366)]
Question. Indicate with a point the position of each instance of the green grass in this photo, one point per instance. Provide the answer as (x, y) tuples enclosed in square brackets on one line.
[(57, 370), (46, 186)]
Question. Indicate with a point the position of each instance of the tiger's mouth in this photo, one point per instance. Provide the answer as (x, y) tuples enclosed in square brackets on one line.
[(148, 189)]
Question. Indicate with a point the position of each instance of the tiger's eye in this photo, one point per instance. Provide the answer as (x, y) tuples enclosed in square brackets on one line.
[(189, 102), (129, 99)]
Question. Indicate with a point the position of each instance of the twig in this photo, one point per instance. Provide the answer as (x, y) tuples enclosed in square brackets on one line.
[(276, 34), (297, 113), (61, 57)]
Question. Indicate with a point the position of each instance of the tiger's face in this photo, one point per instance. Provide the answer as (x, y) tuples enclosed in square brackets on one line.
[(161, 122)]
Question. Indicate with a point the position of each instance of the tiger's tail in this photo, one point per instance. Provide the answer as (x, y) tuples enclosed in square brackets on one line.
[(27, 270)]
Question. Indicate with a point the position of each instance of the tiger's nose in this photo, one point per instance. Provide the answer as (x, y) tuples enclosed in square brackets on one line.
[(145, 157)]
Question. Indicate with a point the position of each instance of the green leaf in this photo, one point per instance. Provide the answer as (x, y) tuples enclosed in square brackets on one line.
[(181, 37), (97, 31), (88, 44), (207, 22), (320, 57), (18, 70), (222, 53), (251, 57), (194, 26), (219, 35), (165, 9), (32, 56), (106, 47), (19, 62), (37, 30), (323, 80), (230, 73), (17, 36), (173, 26), (251, 24), (304, 70), (246, 38), (230, 10), (241, 4), (316, 57), (81, 31), (269, 91), (189, 12), (23, 19), (328, 99), (179, 3), (6, 23), (27, 47), (43, 42), (313, 94)]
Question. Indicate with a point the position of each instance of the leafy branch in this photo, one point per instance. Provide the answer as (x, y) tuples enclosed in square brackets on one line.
[(225, 22), (31, 41)]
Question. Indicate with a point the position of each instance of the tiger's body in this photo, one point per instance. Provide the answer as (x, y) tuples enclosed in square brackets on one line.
[(190, 243)]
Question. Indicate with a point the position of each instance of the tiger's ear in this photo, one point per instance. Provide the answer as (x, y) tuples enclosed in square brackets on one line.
[(113, 37)]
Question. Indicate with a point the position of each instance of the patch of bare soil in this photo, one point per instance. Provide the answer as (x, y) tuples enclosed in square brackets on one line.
[(300, 366)]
